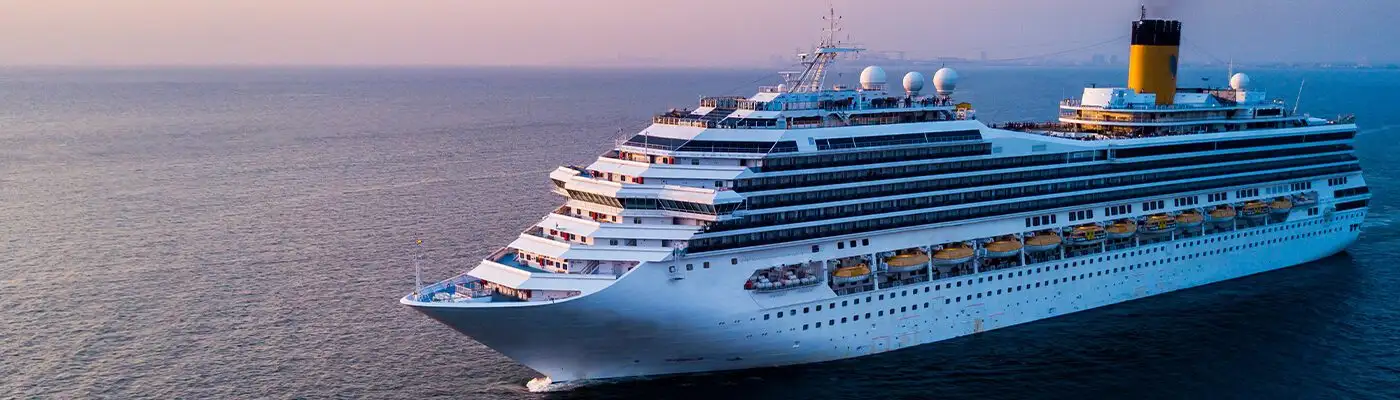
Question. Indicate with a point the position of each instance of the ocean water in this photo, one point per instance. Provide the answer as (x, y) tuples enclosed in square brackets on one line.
[(246, 233)]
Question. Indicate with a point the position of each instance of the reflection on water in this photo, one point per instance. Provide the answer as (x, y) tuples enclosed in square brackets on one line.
[(246, 233)]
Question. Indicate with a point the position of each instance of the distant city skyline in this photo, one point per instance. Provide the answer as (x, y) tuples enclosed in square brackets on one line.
[(722, 33)]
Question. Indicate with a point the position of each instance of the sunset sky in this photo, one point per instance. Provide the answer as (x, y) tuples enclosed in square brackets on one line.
[(649, 32)]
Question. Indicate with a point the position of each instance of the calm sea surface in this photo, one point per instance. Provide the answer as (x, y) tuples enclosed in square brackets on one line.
[(244, 233)]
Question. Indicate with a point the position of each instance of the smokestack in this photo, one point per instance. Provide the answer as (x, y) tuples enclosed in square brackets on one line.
[(1152, 58)]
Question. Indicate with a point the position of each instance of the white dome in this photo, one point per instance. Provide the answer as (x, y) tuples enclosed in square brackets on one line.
[(872, 78), (945, 81), (1239, 81), (913, 82)]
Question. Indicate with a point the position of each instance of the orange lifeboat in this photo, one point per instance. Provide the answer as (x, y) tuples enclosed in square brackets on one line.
[(1043, 241), (908, 261), (1124, 228), (851, 274), (1006, 246), (1189, 219), (953, 254)]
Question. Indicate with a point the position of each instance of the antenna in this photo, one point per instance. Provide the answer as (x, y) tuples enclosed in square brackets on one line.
[(1300, 96), (833, 26), (1144, 11), (1230, 73), (418, 268), (816, 62)]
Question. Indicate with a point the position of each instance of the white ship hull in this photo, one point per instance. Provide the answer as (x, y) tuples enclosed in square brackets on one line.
[(648, 323)]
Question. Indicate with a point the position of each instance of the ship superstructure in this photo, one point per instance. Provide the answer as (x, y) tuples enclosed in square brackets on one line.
[(808, 223)]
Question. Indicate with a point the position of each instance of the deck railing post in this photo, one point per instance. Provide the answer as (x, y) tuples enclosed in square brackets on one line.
[(875, 271), (1022, 238), (928, 250)]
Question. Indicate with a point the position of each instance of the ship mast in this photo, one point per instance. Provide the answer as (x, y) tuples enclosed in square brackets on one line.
[(816, 62)]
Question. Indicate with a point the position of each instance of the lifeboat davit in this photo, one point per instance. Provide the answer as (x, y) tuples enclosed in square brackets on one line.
[(1222, 215), (1124, 228), (1042, 242), (910, 261), (1157, 224), (1006, 246), (1087, 234), (1254, 209), (953, 254), (1189, 219), (1281, 206), (851, 274)]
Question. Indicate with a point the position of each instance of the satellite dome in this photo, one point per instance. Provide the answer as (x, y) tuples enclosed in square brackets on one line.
[(913, 82), (945, 80), (872, 78), (1239, 81)]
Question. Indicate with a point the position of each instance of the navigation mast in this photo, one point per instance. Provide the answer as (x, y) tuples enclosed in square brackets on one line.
[(817, 61)]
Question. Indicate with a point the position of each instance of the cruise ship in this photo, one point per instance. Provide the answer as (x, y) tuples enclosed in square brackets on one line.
[(810, 223)]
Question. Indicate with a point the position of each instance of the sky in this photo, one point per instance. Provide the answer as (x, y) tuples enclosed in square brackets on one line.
[(708, 33)]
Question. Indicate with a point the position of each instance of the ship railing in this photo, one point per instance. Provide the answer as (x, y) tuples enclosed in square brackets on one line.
[(427, 292), (682, 121), (720, 101), (818, 282), (753, 105), (1137, 118), (910, 280), (854, 289), (1078, 103)]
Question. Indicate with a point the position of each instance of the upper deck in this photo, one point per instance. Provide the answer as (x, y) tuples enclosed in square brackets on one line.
[(1123, 113), (823, 109)]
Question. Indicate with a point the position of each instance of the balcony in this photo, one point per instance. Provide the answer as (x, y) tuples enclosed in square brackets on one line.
[(510, 259)]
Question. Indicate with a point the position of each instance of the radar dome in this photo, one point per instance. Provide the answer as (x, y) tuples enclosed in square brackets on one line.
[(1239, 81), (872, 78), (945, 81), (913, 82)]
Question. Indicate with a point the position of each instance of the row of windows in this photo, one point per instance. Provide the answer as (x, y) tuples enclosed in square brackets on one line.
[(872, 157), (889, 189), (893, 140), (1164, 261), (1216, 197), (870, 174), (1351, 192), (754, 220), (1239, 194), (1229, 144), (1338, 181), (1301, 186), (1040, 220), (1153, 205), (708, 146), (892, 295), (1118, 210), (1081, 215), (842, 245), (1351, 205), (653, 204), (1186, 201), (788, 235), (749, 123)]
